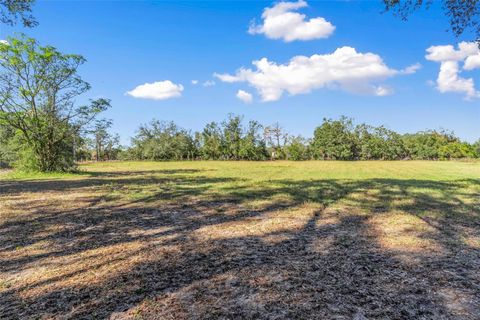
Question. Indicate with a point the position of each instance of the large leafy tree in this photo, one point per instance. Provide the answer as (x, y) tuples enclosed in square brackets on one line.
[(38, 88), (378, 143), (14, 11), (334, 140)]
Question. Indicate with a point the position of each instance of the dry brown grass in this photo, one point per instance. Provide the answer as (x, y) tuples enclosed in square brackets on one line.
[(203, 244)]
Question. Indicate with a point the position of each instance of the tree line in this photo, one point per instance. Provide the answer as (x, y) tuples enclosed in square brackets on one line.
[(43, 128), (340, 139)]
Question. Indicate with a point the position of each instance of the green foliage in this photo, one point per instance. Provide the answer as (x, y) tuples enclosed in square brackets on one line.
[(463, 15), (476, 148), (334, 140), (8, 146), (231, 140), (211, 142), (162, 141), (13, 11), (378, 143), (105, 146), (457, 150), (339, 139), (232, 136), (431, 145), (297, 148), (276, 139), (38, 87), (252, 146)]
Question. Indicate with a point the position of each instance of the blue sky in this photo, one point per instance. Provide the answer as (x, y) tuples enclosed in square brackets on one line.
[(128, 44)]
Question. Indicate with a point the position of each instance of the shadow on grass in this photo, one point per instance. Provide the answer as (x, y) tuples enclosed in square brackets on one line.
[(142, 172), (171, 252), (94, 179)]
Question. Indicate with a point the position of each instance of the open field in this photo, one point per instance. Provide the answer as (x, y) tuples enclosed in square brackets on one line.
[(250, 240)]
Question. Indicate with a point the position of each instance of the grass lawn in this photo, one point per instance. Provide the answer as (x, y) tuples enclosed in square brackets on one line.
[(248, 240)]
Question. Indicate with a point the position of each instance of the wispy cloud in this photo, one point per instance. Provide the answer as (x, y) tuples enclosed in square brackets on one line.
[(209, 83)]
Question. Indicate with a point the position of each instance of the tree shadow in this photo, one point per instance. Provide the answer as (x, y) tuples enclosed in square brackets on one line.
[(313, 249), (96, 178), (142, 172)]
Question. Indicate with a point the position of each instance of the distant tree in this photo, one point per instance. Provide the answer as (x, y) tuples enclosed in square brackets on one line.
[(13, 11), (297, 148), (334, 140), (463, 14), (184, 146), (163, 141), (252, 145), (378, 143), (476, 147), (457, 150), (38, 87), (211, 142), (106, 145), (232, 135), (275, 137), (432, 145)]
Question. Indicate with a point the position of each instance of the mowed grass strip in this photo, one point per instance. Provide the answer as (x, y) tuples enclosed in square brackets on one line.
[(260, 240)]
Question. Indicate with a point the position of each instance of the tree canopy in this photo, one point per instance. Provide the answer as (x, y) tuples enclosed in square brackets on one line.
[(14, 11), (463, 14), (38, 88)]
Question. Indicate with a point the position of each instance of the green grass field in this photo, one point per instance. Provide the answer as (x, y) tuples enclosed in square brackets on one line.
[(250, 240)]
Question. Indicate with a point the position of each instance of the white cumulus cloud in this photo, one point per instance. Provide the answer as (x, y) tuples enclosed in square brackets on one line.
[(160, 90), (345, 68), (472, 62), (282, 22), (244, 96), (449, 79)]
